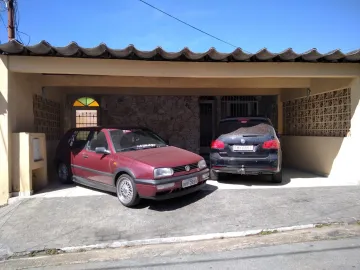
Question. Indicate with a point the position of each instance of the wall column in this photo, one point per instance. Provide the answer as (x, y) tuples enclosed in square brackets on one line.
[(355, 108), (4, 132), (280, 125)]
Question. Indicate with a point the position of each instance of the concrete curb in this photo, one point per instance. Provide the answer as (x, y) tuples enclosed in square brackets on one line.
[(184, 239), (170, 240)]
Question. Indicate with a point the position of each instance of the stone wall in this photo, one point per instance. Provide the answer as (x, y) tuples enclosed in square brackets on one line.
[(175, 118), (46, 117)]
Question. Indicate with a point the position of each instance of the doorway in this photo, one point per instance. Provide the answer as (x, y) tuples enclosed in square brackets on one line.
[(207, 124)]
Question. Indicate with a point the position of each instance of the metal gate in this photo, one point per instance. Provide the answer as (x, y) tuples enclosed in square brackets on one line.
[(239, 106)]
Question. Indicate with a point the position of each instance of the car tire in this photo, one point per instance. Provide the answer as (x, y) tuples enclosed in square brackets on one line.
[(126, 191), (64, 173), (277, 177), (216, 176)]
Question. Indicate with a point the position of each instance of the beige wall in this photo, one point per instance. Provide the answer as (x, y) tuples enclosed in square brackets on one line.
[(313, 154), (4, 131), (332, 156), (162, 91), (169, 69), (17, 89)]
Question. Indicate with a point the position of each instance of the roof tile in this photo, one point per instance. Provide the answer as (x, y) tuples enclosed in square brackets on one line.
[(158, 54)]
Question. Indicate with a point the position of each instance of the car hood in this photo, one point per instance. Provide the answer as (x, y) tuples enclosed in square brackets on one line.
[(169, 156)]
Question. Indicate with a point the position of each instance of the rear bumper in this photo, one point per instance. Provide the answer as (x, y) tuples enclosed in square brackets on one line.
[(154, 189), (268, 165)]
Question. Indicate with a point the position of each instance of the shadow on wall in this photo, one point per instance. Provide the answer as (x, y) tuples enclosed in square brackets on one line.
[(3, 111), (325, 156), (3, 105), (3, 147)]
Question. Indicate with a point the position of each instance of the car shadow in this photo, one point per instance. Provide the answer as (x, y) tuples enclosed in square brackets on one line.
[(55, 186), (165, 205), (177, 203), (252, 180)]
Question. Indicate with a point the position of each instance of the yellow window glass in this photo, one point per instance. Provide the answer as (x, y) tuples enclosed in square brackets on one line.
[(94, 104), (78, 104)]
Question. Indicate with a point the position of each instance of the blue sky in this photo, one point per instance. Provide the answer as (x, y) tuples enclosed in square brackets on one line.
[(249, 24)]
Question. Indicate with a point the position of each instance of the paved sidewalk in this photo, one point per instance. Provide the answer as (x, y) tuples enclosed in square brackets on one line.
[(38, 223)]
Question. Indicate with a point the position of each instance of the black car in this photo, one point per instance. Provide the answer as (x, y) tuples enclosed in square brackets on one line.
[(247, 146)]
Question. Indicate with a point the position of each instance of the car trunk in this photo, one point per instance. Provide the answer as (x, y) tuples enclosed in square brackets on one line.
[(245, 139)]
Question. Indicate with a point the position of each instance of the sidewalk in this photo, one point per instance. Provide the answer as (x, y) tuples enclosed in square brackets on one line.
[(38, 223)]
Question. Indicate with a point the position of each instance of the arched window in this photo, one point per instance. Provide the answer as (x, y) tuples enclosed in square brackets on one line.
[(86, 102), (86, 112)]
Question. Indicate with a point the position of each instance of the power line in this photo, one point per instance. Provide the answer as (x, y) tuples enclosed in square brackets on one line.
[(17, 22), (188, 24), (2, 19)]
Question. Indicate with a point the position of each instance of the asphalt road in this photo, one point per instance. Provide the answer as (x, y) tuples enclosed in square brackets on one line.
[(326, 247), (334, 254)]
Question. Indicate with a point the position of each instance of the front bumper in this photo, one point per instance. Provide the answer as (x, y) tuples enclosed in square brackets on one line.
[(154, 189)]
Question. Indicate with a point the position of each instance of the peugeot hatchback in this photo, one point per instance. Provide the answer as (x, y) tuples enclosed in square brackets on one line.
[(247, 146)]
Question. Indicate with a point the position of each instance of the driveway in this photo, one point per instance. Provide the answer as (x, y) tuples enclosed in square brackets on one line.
[(291, 179), (55, 222)]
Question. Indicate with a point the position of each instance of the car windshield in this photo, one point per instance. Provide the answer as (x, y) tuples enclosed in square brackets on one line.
[(232, 125), (135, 139)]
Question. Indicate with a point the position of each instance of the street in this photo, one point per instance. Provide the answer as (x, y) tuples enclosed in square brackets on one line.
[(339, 254), (328, 247), (38, 223)]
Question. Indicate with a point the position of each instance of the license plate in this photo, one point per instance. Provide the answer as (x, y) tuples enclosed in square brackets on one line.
[(189, 182), (243, 148)]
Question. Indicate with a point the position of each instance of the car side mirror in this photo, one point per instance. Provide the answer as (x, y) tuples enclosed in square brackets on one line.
[(102, 150)]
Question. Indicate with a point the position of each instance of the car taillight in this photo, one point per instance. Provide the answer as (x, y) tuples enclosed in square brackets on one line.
[(272, 144), (217, 144), (243, 120)]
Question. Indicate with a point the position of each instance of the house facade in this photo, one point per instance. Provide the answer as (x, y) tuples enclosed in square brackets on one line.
[(311, 98)]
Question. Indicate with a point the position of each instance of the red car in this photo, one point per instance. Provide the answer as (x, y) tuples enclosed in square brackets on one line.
[(134, 163)]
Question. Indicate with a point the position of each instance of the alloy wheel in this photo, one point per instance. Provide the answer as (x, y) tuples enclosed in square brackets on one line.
[(125, 190)]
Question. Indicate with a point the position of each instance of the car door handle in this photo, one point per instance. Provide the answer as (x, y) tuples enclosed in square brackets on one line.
[(85, 156)]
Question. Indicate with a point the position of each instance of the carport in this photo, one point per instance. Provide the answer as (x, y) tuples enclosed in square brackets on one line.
[(312, 98)]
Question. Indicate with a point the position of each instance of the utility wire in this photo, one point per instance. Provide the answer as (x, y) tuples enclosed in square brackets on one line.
[(2, 19), (17, 22), (187, 24)]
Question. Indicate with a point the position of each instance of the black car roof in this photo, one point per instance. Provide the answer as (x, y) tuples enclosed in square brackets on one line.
[(250, 118), (109, 127)]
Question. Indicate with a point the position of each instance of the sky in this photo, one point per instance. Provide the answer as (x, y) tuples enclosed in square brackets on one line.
[(248, 24)]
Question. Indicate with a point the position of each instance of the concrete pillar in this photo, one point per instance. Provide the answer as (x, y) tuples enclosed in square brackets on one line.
[(4, 131), (280, 125), (355, 108)]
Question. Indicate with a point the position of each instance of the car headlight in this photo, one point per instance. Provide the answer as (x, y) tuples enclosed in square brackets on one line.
[(163, 172), (202, 164)]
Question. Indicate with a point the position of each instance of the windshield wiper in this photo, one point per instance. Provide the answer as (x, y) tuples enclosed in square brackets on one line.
[(129, 148), (152, 146), (140, 147)]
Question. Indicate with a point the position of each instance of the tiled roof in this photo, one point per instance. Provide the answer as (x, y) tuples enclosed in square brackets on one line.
[(158, 54)]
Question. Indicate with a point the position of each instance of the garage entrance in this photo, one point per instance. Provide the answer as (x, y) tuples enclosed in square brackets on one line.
[(212, 109)]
